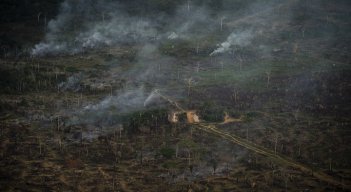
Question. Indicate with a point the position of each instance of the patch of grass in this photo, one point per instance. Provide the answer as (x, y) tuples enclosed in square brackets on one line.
[(179, 48), (71, 69), (253, 75), (170, 165), (246, 78)]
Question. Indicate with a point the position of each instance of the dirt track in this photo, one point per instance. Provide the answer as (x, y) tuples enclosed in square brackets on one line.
[(211, 128)]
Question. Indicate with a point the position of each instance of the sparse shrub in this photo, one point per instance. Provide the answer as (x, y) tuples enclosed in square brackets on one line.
[(24, 103), (209, 111), (150, 118), (167, 152), (4, 106), (177, 48), (253, 114), (169, 165), (101, 67), (250, 116), (72, 69)]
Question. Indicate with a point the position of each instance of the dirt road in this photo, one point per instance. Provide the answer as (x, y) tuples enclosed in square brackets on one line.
[(211, 128)]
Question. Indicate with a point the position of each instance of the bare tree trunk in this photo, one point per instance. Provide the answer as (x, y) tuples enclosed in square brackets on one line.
[(247, 133), (39, 143), (58, 123), (275, 145), (188, 6), (177, 149), (38, 16), (235, 96), (268, 73), (189, 157), (240, 65), (222, 23)]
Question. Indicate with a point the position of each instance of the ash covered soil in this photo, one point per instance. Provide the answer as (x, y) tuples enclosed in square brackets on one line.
[(88, 90)]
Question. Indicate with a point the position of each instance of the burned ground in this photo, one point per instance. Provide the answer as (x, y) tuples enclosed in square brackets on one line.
[(97, 119)]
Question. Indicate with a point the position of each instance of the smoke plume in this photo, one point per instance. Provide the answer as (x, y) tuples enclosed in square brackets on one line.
[(239, 39)]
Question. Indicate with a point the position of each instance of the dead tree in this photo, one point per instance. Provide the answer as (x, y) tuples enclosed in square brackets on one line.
[(188, 5), (268, 73), (235, 95), (222, 22), (275, 145), (190, 83)]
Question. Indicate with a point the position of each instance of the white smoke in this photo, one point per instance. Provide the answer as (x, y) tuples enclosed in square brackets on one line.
[(239, 39), (173, 35), (153, 95), (45, 48), (88, 24), (191, 24), (79, 27), (127, 101), (116, 31), (72, 83)]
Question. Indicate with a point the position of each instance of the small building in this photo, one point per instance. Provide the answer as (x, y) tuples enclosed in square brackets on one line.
[(189, 116), (192, 117), (173, 117)]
